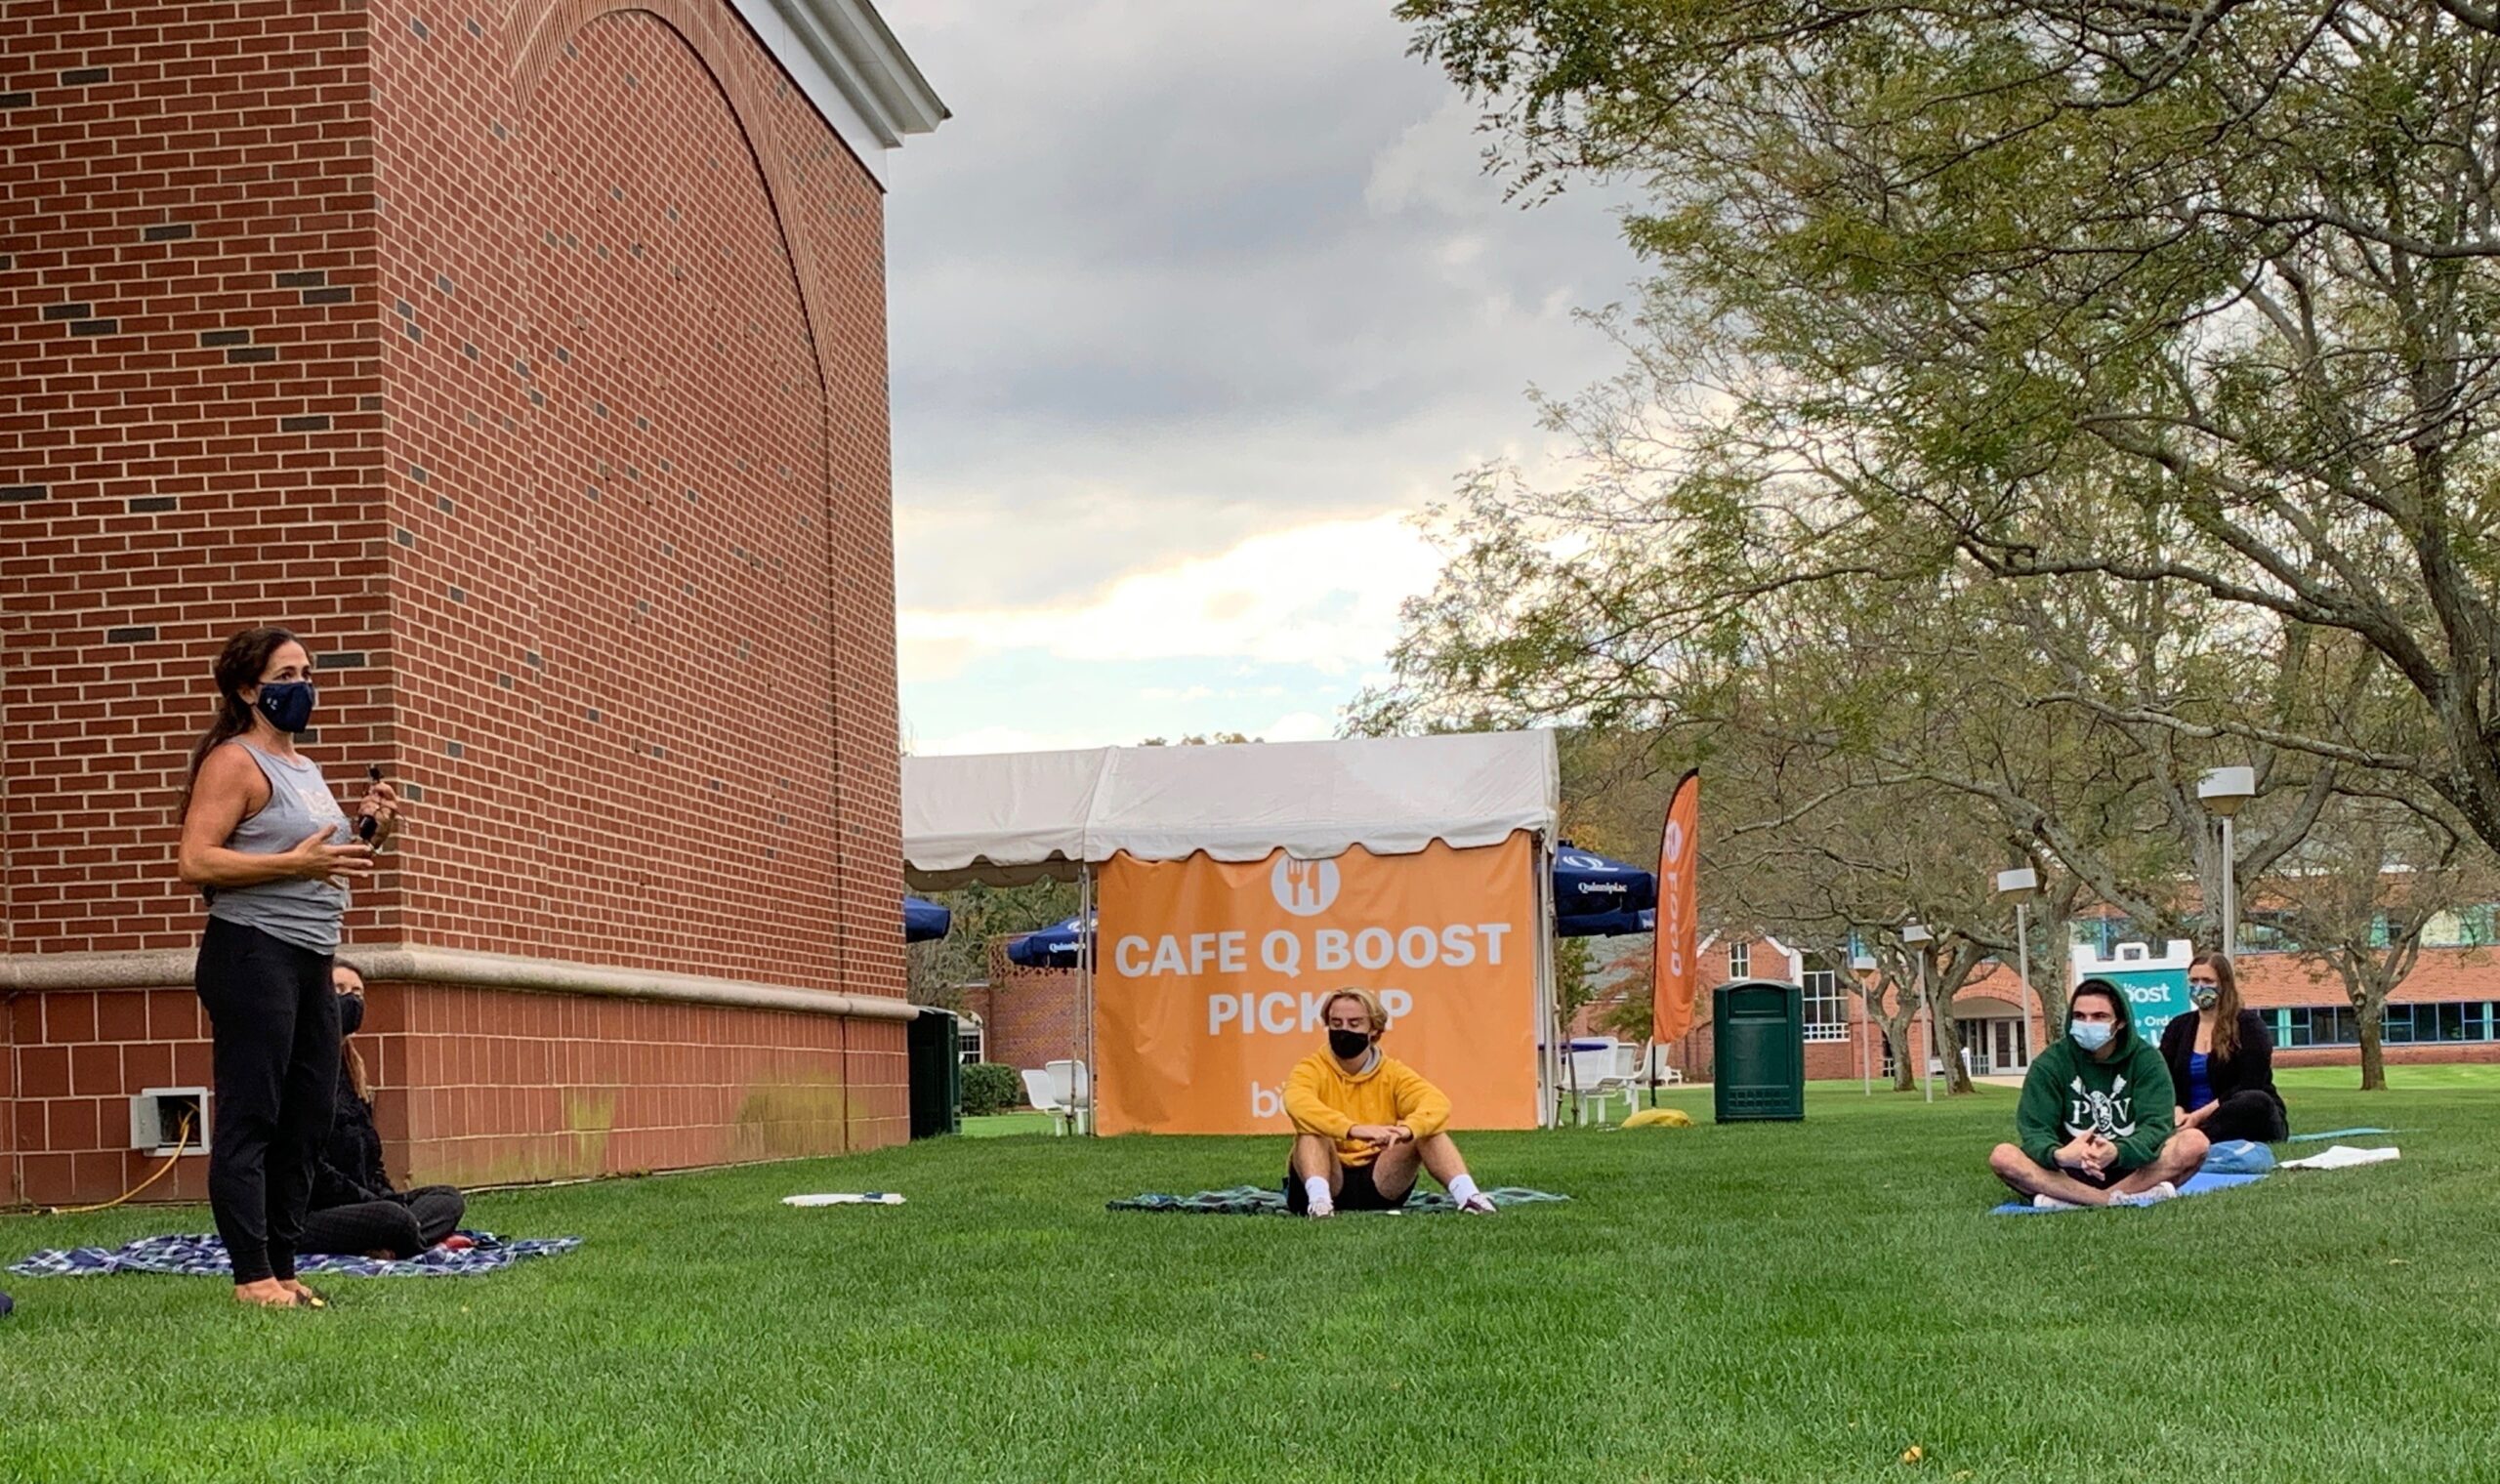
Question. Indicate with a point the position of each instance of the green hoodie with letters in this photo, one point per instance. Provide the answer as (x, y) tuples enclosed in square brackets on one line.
[(2125, 1096)]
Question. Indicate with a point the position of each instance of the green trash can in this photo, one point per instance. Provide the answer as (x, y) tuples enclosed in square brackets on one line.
[(1760, 1029), (934, 1050)]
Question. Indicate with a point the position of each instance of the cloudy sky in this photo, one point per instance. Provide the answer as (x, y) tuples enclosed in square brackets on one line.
[(1195, 303)]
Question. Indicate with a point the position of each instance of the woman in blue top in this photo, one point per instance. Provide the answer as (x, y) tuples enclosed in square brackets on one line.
[(265, 842), (2222, 1060)]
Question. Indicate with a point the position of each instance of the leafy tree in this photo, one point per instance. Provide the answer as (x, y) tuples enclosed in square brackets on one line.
[(2197, 303)]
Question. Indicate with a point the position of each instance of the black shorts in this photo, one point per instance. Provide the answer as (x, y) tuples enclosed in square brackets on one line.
[(2102, 1181), (1355, 1192)]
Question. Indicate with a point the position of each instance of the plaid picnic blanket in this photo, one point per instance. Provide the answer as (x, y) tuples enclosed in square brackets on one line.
[(1264, 1201), (203, 1255)]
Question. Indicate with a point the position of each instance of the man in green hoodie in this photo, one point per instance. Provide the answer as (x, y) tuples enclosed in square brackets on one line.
[(2095, 1124)]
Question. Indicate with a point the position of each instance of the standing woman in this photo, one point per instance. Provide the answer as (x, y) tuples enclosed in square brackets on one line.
[(2222, 1060), (264, 840)]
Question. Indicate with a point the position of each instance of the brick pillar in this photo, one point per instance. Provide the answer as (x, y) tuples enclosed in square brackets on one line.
[(530, 363)]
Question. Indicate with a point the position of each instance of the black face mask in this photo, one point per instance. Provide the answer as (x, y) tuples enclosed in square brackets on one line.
[(351, 1014), (288, 704), (1347, 1045)]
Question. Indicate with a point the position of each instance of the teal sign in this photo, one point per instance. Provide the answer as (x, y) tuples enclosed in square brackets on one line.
[(2156, 987), (2153, 996)]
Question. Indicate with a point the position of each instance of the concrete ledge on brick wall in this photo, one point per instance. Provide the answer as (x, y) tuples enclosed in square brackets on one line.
[(170, 969)]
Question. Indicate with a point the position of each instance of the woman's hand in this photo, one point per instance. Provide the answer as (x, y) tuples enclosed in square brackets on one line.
[(318, 859), (381, 805)]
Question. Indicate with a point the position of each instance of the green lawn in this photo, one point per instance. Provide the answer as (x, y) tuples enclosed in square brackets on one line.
[(2399, 1078), (1004, 1125), (1755, 1301)]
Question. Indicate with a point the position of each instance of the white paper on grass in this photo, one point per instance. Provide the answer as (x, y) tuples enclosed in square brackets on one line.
[(1014, 817), (844, 1198), (2341, 1157)]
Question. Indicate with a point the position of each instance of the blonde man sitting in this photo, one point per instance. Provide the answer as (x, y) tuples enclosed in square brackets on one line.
[(1364, 1122)]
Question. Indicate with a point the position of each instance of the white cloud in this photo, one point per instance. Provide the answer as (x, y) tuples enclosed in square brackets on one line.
[(1000, 739), (1297, 726), (1189, 305), (1324, 595)]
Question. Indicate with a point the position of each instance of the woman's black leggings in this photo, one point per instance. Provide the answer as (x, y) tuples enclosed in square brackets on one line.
[(399, 1225), (275, 1022), (2251, 1114)]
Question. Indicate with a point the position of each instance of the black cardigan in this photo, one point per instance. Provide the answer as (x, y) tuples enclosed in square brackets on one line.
[(2251, 1070)]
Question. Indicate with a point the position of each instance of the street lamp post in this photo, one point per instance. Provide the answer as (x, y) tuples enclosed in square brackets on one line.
[(1915, 935), (2022, 882), (2223, 792), (1860, 966)]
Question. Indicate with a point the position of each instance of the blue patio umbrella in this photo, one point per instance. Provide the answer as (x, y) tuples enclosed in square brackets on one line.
[(1052, 947), (924, 920), (1607, 925), (1589, 884)]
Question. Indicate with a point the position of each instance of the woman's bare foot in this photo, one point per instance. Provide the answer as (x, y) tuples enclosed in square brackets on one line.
[(304, 1295), (268, 1294)]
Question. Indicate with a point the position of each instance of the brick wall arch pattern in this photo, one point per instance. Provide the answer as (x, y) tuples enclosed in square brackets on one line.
[(537, 32)]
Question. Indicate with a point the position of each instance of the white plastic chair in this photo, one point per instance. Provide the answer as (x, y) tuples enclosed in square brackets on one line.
[(1072, 1090), (1658, 1073), (1597, 1074), (1041, 1094)]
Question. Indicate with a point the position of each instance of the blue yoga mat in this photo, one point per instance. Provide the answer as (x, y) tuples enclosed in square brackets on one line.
[(2201, 1184), (2320, 1138)]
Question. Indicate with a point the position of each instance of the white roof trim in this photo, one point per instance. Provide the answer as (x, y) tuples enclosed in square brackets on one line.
[(852, 68)]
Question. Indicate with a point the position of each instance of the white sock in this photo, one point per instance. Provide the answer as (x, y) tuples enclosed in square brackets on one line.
[(1462, 1187), (1316, 1186)]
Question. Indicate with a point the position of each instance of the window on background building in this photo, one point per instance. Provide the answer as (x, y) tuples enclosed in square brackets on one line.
[(1826, 1007), (2321, 1025), (2397, 1027), (1740, 960), (968, 1040)]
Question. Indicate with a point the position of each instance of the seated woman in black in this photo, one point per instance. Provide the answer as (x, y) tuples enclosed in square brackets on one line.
[(355, 1210), (2222, 1060)]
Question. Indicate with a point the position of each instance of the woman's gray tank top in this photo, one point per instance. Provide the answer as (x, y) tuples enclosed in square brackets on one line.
[(303, 913)]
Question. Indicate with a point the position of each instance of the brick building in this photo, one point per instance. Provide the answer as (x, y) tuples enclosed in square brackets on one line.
[(1998, 1029), (2448, 1010), (528, 358), (1028, 1016)]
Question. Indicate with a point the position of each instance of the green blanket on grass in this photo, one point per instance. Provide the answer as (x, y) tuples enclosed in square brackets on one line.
[(1263, 1201)]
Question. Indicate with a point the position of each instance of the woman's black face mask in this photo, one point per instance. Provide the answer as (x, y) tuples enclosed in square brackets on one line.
[(351, 1014)]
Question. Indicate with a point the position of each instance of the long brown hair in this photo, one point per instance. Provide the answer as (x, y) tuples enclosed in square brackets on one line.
[(357, 1077), (239, 664), (2222, 1020)]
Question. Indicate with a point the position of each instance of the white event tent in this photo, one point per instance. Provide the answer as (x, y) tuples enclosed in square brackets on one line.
[(1008, 819)]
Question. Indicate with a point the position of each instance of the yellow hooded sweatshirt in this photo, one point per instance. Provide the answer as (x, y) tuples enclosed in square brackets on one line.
[(1321, 1098)]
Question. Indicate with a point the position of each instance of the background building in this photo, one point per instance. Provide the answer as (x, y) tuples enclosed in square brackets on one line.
[(529, 359)]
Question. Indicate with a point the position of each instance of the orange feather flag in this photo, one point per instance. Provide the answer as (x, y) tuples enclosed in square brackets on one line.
[(1673, 969)]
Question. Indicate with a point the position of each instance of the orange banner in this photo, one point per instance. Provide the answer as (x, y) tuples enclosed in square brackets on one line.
[(1214, 978), (1672, 957)]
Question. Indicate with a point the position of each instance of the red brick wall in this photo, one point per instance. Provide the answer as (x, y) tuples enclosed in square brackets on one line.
[(1030, 1015), (189, 428), (649, 692), (528, 357), (474, 1086)]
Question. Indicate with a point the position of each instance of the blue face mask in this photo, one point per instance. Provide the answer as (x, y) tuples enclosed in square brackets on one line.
[(2092, 1035), (288, 704)]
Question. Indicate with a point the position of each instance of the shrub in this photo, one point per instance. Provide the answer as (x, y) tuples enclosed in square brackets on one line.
[(990, 1087)]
